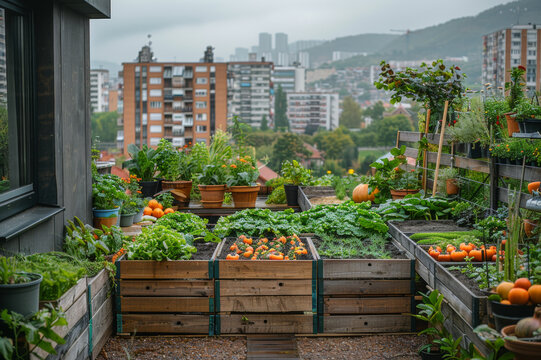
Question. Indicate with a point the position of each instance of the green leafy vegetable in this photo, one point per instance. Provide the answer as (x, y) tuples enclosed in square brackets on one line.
[(160, 243)]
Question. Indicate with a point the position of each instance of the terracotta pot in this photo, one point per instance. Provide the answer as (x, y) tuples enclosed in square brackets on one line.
[(512, 124), (451, 186), (529, 225), (523, 350), (244, 196), (212, 196), (108, 221), (181, 190), (400, 194)]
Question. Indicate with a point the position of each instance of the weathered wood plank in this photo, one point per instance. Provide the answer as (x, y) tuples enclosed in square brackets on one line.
[(70, 296), (75, 330), (367, 269), (99, 298), (265, 303), (366, 287), (165, 304), (515, 172), (266, 324), (98, 282), (167, 287), (149, 269), (265, 269), (370, 305), (455, 302), (503, 196), (78, 349), (102, 322), (165, 323), (366, 323), (265, 287)]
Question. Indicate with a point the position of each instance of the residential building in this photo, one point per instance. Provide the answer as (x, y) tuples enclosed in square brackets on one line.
[(265, 46), (303, 58), (508, 48), (281, 49), (181, 102), (249, 91), (99, 90), (290, 78), (309, 111)]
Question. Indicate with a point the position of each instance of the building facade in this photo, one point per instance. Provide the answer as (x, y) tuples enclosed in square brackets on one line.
[(309, 111), (99, 90), (184, 103), (509, 48), (250, 91), (290, 78)]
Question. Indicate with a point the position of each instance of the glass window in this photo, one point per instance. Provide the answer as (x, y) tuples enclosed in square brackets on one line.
[(155, 80), (200, 104), (16, 182), (155, 128), (201, 117), (201, 128), (154, 141), (201, 80), (155, 104), (155, 116), (200, 92), (200, 69), (155, 69), (155, 93)]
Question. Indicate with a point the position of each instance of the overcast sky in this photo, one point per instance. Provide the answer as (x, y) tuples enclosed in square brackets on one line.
[(181, 29)]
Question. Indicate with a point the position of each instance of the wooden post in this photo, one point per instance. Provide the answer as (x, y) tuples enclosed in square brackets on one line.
[(397, 138), (440, 147), (425, 160)]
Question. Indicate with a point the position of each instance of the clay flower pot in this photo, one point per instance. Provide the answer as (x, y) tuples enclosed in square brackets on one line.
[(180, 190), (400, 194), (212, 196), (244, 196), (523, 350), (451, 186), (512, 124), (529, 226)]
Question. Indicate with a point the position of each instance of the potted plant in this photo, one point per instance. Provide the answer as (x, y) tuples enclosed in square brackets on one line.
[(495, 110), (527, 115), (294, 174), (175, 169), (383, 179), (212, 185), (448, 180), (472, 128), (241, 181), (108, 192), (19, 291), (142, 164), (515, 89), (128, 210)]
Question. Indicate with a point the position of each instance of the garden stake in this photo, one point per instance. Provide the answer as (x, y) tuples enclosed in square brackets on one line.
[(424, 151), (484, 256), (440, 148)]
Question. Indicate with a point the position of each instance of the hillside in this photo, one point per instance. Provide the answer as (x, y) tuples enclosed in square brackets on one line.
[(457, 37)]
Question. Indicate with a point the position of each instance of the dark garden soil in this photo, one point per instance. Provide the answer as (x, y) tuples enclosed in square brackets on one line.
[(393, 251), (471, 284), (204, 250), (231, 240), (421, 226), (315, 191)]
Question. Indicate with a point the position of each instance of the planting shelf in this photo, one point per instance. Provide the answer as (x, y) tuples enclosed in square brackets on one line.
[(165, 296)]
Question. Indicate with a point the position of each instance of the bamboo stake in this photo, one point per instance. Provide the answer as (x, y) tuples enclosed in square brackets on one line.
[(425, 160), (440, 148)]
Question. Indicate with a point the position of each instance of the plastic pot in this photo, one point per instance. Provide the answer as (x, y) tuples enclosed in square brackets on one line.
[(505, 315), (22, 298), (292, 193), (126, 220), (149, 188)]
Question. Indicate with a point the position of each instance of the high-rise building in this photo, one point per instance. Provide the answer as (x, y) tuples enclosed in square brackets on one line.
[(249, 91), (290, 78), (303, 59), (509, 48), (312, 110), (99, 90), (184, 103), (280, 43), (265, 43), (241, 54)]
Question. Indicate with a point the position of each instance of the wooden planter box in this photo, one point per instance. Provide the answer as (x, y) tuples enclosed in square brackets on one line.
[(366, 296), (308, 192), (266, 296), (175, 297), (88, 306)]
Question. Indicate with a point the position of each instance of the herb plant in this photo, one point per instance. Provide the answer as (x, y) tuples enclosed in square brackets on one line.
[(414, 207), (108, 192), (294, 173), (166, 199), (242, 172), (212, 175), (160, 243), (142, 162), (9, 273), (188, 224)]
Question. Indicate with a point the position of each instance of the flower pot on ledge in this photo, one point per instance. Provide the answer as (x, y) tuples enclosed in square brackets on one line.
[(244, 196), (512, 124), (400, 194), (451, 186), (212, 196), (182, 193)]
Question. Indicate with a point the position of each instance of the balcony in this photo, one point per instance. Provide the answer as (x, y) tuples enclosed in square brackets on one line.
[(187, 109), (188, 122)]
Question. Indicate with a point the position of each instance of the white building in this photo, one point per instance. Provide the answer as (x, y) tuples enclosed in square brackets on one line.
[(99, 90), (292, 79), (312, 110)]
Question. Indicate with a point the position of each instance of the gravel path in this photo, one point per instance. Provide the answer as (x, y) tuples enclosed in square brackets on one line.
[(380, 347)]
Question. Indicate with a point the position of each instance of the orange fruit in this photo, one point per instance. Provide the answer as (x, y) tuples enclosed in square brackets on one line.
[(160, 206), (147, 211), (504, 288), (523, 283), (505, 302), (518, 296), (232, 257), (157, 213), (168, 211), (153, 204), (535, 294)]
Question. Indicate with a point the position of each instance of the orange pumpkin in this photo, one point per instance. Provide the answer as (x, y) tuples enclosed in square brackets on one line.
[(444, 257), (232, 257), (168, 211), (477, 255), (518, 296), (458, 255), (157, 213), (147, 211), (533, 186), (360, 193), (153, 204), (535, 294)]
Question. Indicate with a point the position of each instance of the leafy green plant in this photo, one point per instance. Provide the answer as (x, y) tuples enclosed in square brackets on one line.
[(494, 341), (516, 86), (173, 164), (166, 199), (405, 180), (212, 175), (159, 243), (142, 162), (471, 126), (354, 247), (414, 207), (107, 192), (294, 173), (188, 224), (494, 113), (385, 168), (36, 329), (242, 172), (278, 196), (526, 108), (258, 223), (9, 273)]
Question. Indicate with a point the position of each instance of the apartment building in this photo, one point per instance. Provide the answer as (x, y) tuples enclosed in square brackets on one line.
[(309, 111), (184, 103), (250, 91), (508, 48), (99, 90), (290, 78)]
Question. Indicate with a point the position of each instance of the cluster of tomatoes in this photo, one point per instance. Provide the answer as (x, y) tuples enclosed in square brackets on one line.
[(282, 248), (451, 253), (521, 292), (155, 209)]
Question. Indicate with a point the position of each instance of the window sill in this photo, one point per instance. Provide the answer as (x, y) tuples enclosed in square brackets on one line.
[(26, 220)]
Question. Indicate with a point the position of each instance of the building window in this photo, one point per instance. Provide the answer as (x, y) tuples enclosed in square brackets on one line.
[(16, 99), (154, 141), (155, 81), (155, 116), (201, 128), (200, 92), (201, 80), (155, 129), (155, 69), (155, 93), (200, 69), (201, 117), (201, 140), (156, 104), (200, 104)]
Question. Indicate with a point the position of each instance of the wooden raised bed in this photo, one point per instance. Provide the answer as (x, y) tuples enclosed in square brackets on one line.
[(366, 296), (174, 297), (309, 192), (266, 296), (88, 307)]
